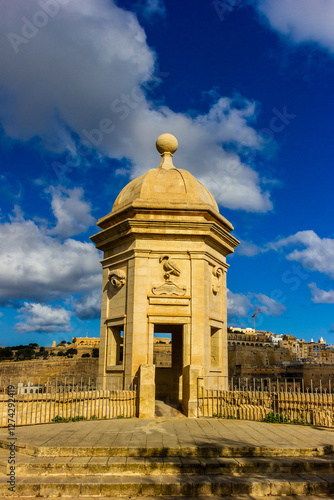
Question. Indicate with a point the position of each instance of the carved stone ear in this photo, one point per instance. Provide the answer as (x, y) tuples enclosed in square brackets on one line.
[(117, 278), (217, 279)]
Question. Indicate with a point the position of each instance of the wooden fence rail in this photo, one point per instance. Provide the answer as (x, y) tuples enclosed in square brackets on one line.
[(314, 408), (37, 404)]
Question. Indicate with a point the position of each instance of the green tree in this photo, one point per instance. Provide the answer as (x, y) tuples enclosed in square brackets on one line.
[(6, 353), (85, 355), (71, 351), (25, 353)]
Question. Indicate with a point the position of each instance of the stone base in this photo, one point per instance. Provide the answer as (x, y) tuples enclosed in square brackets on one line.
[(190, 376), (146, 399)]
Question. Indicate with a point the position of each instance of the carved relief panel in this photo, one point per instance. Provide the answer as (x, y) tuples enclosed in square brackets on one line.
[(170, 269), (217, 279), (117, 278)]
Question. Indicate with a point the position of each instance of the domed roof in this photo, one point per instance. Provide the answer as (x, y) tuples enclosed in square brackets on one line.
[(166, 186)]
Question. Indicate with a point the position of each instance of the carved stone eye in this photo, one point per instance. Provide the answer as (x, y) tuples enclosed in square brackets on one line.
[(116, 278), (116, 283)]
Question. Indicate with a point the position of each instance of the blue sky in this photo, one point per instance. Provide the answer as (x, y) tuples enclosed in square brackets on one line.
[(87, 86)]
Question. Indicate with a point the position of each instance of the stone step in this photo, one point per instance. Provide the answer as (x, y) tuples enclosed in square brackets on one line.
[(177, 451), (26, 465), (257, 485), (168, 410), (211, 497)]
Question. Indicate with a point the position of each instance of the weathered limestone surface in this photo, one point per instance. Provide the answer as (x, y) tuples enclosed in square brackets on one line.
[(43, 370), (194, 458), (190, 376), (164, 271), (146, 391)]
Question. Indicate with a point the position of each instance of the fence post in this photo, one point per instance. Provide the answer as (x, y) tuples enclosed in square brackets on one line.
[(190, 375), (146, 391)]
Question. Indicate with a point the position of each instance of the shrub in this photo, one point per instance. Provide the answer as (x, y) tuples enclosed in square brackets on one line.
[(25, 353), (275, 418), (58, 419), (71, 351), (6, 353)]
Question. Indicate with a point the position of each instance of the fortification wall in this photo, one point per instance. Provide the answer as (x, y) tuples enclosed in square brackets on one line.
[(319, 374), (162, 354), (48, 369), (240, 358)]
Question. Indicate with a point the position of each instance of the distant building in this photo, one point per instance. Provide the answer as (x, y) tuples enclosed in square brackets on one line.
[(305, 352), (29, 388), (291, 343), (276, 339), (241, 330), (248, 336), (86, 341)]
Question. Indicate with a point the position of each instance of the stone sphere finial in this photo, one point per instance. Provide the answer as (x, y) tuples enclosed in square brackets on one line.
[(166, 143)]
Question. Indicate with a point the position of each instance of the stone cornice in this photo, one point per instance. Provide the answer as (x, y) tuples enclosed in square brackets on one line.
[(124, 257), (170, 210), (181, 228)]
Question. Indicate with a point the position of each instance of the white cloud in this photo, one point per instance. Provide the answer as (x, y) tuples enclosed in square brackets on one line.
[(71, 211), (248, 249), (43, 319), (89, 50), (317, 254), (35, 266), (241, 305), (269, 306), (153, 7), (89, 306), (321, 296), (232, 183), (90, 71), (238, 304), (302, 20)]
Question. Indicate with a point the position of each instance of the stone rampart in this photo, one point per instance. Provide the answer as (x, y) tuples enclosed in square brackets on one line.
[(242, 359), (51, 369)]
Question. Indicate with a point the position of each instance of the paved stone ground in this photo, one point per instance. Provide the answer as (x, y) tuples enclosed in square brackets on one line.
[(172, 433), (176, 456)]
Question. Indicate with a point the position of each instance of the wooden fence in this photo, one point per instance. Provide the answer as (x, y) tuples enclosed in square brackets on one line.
[(274, 403), (63, 401)]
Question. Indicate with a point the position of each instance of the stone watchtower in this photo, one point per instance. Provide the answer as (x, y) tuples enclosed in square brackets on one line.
[(164, 271)]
